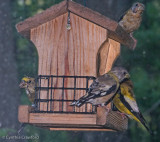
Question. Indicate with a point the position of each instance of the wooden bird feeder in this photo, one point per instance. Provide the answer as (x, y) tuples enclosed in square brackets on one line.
[(74, 44)]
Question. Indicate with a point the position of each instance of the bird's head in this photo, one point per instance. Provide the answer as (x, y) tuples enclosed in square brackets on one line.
[(121, 73), (26, 82), (138, 8)]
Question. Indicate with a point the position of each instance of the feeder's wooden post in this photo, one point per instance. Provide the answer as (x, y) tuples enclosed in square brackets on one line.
[(23, 114), (101, 116), (106, 56)]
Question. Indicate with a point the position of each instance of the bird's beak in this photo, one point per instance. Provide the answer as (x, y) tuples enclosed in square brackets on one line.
[(127, 76), (141, 8), (134, 10), (22, 85)]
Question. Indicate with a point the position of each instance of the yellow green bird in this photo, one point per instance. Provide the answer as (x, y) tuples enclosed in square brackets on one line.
[(126, 103), (29, 84), (103, 88)]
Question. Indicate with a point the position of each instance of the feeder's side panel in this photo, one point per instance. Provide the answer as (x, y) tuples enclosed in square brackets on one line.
[(106, 56), (85, 38), (113, 53), (63, 52), (51, 44)]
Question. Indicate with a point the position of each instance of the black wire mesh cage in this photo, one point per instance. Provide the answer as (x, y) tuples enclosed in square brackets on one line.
[(54, 94)]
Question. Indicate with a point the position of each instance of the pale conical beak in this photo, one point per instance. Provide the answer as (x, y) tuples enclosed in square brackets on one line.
[(127, 76), (142, 8), (22, 85)]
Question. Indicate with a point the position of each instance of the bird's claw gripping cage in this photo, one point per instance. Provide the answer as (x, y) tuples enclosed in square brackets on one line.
[(61, 103)]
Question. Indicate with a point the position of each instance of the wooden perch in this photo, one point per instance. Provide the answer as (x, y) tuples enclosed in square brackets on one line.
[(102, 121)]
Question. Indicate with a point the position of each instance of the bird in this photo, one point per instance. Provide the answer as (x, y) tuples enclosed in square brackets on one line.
[(103, 88), (125, 102), (29, 84), (131, 20)]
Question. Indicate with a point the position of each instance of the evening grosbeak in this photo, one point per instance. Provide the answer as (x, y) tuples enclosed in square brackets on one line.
[(131, 20), (29, 84), (126, 103), (102, 90)]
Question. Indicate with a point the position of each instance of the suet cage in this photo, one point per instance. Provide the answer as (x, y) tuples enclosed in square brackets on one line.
[(75, 44), (44, 95)]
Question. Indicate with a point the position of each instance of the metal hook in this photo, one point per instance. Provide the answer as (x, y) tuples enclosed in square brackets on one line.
[(68, 21)]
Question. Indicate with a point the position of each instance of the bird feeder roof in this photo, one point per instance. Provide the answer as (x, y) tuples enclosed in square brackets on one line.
[(115, 32)]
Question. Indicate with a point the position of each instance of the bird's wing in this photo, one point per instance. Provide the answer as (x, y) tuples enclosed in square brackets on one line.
[(128, 95), (135, 113), (129, 101), (128, 98), (132, 103), (122, 16), (102, 86)]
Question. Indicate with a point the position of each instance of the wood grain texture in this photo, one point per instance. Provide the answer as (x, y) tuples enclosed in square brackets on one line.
[(71, 53), (122, 37), (102, 121), (23, 114), (115, 31), (76, 52), (57, 118), (113, 53), (106, 56), (102, 57), (92, 16), (79, 129), (25, 26), (101, 116)]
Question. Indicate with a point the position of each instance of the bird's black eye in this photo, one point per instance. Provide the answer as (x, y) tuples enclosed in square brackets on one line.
[(136, 4), (29, 81), (124, 73)]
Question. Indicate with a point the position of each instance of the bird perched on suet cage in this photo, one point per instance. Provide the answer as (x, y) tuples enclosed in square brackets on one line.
[(28, 84), (131, 20), (67, 68), (104, 87), (125, 102)]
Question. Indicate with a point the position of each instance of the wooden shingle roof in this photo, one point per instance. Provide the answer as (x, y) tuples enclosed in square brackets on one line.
[(115, 32)]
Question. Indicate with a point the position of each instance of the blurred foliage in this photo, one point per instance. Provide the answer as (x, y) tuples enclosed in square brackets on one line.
[(143, 65), (6, 131)]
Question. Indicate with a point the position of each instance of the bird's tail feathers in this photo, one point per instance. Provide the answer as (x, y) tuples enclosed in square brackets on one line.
[(147, 128), (144, 123)]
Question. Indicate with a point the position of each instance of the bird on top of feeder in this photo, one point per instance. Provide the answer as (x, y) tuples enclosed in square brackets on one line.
[(125, 102), (29, 84), (132, 18), (102, 90)]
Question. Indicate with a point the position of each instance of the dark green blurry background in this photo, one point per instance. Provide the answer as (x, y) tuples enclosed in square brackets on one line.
[(18, 57)]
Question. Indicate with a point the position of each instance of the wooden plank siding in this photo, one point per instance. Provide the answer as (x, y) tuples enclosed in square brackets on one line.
[(85, 50), (70, 53), (115, 32)]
